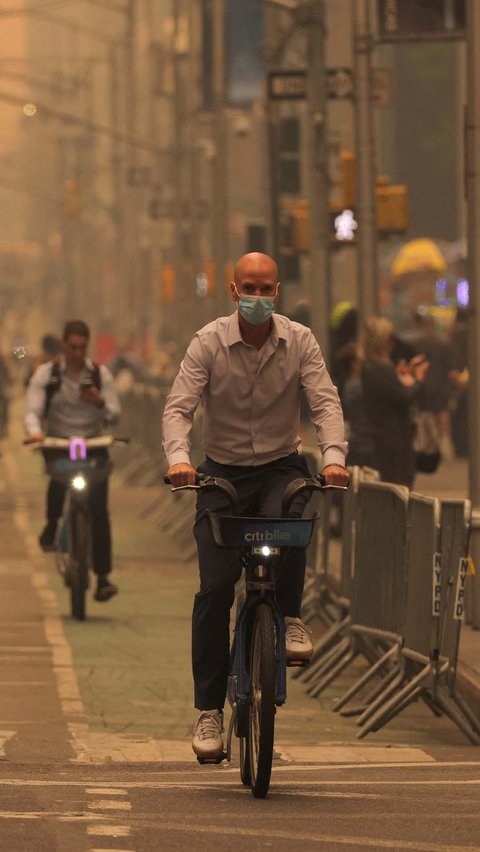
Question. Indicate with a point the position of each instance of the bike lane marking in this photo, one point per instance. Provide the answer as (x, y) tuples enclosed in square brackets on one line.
[(62, 660)]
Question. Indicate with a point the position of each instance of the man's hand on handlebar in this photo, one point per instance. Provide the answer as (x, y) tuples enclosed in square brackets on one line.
[(182, 474), (335, 474)]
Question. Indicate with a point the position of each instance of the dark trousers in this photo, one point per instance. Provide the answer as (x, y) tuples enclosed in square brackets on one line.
[(260, 490), (98, 504)]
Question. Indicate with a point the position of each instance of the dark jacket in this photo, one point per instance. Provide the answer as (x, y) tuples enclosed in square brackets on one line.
[(389, 403)]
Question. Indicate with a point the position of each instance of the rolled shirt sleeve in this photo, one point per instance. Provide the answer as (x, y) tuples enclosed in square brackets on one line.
[(324, 403), (182, 402), (36, 399)]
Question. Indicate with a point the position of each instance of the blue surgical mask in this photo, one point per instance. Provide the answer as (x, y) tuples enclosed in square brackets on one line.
[(255, 309)]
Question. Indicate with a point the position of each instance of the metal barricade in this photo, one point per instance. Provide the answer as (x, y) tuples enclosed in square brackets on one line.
[(455, 532), (436, 562), (417, 660), (378, 602), (378, 580)]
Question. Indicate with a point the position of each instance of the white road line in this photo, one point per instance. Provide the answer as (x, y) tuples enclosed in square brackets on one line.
[(5, 736), (109, 805), (67, 685), (296, 837), (235, 782), (65, 816), (108, 830), (105, 791)]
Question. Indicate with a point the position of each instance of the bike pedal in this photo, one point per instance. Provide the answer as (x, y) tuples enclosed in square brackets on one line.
[(298, 664), (212, 761)]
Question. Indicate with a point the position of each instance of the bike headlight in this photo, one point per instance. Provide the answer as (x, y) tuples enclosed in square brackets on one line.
[(266, 550), (79, 483)]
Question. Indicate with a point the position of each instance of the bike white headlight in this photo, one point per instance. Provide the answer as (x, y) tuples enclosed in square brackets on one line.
[(79, 483), (266, 550)]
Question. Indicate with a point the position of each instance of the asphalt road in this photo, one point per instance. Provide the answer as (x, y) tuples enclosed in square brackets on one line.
[(95, 719)]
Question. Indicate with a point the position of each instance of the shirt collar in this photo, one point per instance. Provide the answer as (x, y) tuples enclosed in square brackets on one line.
[(87, 367), (279, 330)]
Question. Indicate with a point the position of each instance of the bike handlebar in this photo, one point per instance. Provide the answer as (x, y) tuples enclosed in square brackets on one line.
[(51, 443), (296, 487), (203, 480)]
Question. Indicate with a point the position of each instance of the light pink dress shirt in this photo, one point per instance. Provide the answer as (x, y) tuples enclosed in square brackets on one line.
[(251, 400)]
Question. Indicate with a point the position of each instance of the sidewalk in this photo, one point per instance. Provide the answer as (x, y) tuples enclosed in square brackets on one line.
[(451, 481)]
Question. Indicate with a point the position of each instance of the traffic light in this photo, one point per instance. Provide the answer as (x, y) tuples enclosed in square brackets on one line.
[(300, 227), (211, 273), (391, 199), (392, 207), (289, 156)]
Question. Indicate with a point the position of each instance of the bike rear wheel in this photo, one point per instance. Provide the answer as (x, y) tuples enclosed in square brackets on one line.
[(78, 573), (260, 736)]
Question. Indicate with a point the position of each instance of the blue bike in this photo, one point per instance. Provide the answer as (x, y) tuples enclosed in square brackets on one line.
[(257, 682)]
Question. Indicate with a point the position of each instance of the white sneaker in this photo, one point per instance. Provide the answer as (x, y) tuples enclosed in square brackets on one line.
[(299, 646), (207, 734)]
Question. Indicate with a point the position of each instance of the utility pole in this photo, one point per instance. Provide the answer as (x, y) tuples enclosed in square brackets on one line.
[(118, 193), (272, 56), (365, 147), (131, 116), (473, 206), (318, 284), (309, 15), (220, 165)]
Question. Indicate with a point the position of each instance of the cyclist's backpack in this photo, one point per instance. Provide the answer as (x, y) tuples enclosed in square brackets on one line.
[(55, 382)]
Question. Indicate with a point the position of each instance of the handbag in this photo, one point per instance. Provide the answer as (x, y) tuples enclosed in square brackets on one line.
[(426, 443)]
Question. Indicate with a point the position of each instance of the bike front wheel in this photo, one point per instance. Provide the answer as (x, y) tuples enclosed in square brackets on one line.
[(260, 734), (78, 574)]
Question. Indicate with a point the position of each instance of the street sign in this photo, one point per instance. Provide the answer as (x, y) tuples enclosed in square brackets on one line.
[(416, 20), (292, 85), (287, 85)]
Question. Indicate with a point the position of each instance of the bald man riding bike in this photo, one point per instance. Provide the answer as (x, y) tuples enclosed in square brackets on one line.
[(247, 370)]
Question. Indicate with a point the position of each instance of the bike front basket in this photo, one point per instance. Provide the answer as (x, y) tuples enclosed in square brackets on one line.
[(237, 532), (63, 468)]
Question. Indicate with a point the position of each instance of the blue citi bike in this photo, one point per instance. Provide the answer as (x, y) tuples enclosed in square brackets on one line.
[(78, 470), (257, 682)]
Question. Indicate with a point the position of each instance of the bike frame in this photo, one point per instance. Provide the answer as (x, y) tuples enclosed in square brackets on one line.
[(239, 687), (259, 564)]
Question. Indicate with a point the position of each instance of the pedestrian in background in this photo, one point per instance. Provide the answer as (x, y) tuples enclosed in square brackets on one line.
[(361, 444), (390, 392), (460, 379), (438, 388), (51, 349)]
